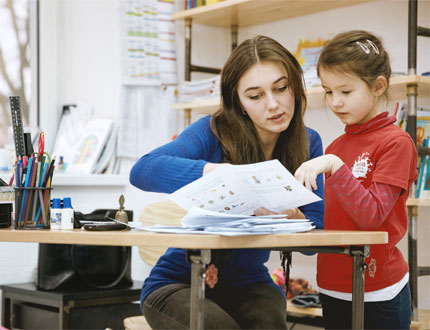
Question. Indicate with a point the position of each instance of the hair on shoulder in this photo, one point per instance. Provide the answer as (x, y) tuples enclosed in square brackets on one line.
[(236, 131)]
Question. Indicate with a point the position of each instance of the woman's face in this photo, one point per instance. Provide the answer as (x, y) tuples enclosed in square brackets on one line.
[(267, 99)]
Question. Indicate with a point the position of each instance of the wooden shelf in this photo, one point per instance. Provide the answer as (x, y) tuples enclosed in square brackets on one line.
[(418, 202), (82, 180), (253, 12), (89, 180), (315, 95), (303, 312)]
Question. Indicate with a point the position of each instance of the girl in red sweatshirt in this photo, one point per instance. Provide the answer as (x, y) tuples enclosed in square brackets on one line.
[(369, 171)]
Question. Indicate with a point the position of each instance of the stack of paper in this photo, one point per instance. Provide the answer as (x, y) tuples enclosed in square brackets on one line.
[(223, 201), (200, 221), (190, 91)]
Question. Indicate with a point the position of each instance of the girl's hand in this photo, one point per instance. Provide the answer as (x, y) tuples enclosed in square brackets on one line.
[(307, 172), (289, 214)]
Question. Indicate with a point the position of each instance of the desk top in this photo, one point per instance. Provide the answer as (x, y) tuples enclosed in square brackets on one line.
[(316, 237)]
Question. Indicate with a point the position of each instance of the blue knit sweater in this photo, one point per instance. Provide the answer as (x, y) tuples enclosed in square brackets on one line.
[(180, 162)]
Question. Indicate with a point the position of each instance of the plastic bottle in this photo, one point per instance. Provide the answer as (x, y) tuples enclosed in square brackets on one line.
[(56, 214), (67, 214)]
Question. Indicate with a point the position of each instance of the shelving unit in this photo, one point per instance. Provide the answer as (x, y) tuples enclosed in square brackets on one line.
[(242, 13), (82, 180), (90, 180), (412, 92), (315, 95), (253, 12)]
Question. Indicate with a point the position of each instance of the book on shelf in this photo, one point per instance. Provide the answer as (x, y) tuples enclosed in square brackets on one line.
[(423, 187), (80, 143), (108, 154), (423, 120), (189, 4), (189, 91)]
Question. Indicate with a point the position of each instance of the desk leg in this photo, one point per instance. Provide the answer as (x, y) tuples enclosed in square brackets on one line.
[(359, 267), (198, 259)]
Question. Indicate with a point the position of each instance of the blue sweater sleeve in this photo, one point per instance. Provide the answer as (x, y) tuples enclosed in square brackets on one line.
[(315, 211), (179, 162)]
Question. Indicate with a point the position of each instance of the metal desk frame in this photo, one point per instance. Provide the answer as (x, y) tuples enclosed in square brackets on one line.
[(200, 258), (354, 243)]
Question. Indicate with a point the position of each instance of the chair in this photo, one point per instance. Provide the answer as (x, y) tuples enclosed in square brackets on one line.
[(136, 323), (166, 213)]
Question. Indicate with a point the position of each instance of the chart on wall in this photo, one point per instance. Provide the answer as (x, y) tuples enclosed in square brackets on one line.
[(148, 42), (149, 78)]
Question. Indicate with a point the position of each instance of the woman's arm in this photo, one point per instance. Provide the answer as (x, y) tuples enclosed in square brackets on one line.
[(179, 162)]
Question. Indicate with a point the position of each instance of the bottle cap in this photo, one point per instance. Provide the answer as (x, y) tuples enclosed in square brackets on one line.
[(67, 203), (56, 203)]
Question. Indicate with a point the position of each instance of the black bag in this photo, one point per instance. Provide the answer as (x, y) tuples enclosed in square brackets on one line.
[(71, 266)]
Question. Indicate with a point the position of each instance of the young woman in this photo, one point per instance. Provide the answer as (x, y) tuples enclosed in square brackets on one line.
[(261, 118), (369, 171)]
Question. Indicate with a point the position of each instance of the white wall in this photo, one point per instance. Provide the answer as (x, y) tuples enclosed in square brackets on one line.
[(80, 62)]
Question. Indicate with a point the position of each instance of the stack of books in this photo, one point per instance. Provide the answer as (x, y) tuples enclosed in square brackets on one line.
[(189, 91), (199, 3), (423, 137)]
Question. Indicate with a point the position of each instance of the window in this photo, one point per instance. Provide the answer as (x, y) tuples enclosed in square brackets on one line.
[(18, 62)]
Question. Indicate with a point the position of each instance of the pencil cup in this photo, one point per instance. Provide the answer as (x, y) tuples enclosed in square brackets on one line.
[(32, 207)]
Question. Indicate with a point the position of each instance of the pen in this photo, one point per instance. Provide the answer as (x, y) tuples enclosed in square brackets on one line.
[(45, 168)]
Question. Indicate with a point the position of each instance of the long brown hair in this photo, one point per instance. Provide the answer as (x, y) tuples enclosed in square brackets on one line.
[(236, 132)]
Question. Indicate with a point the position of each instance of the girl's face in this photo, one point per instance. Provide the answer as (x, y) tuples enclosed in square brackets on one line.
[(349, 97), (267, 99)]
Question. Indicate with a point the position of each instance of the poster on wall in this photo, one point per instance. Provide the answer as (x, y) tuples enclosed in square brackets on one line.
[(148, 42), (149, 75)]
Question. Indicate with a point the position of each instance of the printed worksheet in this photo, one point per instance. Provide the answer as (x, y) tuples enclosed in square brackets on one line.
[(240, 189)]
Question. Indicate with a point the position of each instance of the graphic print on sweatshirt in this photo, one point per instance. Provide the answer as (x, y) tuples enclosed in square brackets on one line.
[(362, 166)]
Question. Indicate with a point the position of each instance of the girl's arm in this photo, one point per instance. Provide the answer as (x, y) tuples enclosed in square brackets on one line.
[(367, 207), (308, 172)]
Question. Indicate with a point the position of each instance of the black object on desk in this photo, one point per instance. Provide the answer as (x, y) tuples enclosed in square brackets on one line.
[(6, 210), (26, 307)]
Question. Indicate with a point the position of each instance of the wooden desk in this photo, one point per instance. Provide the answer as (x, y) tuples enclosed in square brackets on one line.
[(354, 243)]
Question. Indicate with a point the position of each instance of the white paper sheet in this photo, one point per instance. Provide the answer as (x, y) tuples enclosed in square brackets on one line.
[(240, 189)]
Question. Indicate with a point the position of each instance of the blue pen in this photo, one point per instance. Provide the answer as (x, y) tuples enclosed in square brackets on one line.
[(18, 174), (45, 168), (27, 178)]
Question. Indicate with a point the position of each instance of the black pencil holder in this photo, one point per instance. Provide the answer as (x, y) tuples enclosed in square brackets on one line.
[(32, 208)]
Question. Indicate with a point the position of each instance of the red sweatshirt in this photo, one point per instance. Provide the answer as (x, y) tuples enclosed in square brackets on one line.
[(382, 160)]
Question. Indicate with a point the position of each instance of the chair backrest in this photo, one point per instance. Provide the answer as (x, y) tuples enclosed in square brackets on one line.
[(165, 213)]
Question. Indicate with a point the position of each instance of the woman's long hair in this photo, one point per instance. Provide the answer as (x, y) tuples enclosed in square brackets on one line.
[(236, 132)]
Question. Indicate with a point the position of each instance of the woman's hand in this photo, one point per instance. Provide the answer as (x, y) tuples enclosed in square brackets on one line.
[(210, 167), (307, 172), (289, 214)]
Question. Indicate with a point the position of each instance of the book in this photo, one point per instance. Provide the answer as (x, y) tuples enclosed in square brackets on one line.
[(423, 121), (81, 154), (240, 189), (108, 153), (423, 187)]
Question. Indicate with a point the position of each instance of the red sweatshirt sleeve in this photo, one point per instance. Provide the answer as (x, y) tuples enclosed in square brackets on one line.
[(367, 207)]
